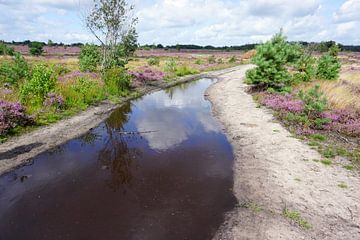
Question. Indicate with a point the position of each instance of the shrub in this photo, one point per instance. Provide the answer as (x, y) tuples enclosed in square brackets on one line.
[(36, 48), (305, 69), (170, 65), (82, 93), (184, 70), (220, 61), (314, 102), (198, 61), (117, 81), (149, 75), (212, 59), (328, 67), (13, 72), (233, 59), (41, 83), (89, 58), (283, 103), (154, 61), (53, 100), (271, 59), (12, 115), (6, 50)]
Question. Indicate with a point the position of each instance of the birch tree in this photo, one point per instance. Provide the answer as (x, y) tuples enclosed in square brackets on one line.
[(113, 25)]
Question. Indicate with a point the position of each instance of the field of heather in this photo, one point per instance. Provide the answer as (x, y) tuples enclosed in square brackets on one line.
[(73, 90)]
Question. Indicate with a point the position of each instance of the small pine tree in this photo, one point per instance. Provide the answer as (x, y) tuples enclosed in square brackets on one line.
[(271, 59)]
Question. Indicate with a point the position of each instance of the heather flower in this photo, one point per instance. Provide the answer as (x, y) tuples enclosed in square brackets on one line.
[(148, 75), (12, 115), (283, 103), (53, 100), (343, 120)]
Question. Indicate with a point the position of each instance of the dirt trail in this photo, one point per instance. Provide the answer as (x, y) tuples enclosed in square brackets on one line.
[(20, 150), (274, 171)]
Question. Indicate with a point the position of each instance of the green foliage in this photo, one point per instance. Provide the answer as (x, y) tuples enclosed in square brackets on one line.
[(171, 65), (212, 59), (296, 217), (233, 59), (36, 48), (334, 50), (184, 70), (220, 61), (271, 59), (318, 137), (155, 61), (89, 58), (6, 50), (198, 61), (326, 162), (314, 101), (117, 81), (41, 83), (13, 72), (328, 67), (305, 69), (82, 93)]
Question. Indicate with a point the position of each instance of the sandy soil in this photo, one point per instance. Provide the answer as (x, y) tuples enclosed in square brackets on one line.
[(19, 150), (274, 171)]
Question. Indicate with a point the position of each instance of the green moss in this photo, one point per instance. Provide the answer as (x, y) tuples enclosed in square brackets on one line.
[(296, 217)]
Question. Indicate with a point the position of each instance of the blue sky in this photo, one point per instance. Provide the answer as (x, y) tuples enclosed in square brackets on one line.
[(213, 22)]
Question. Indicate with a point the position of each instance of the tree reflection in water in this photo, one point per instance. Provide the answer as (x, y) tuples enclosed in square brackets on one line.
[(116, 155)]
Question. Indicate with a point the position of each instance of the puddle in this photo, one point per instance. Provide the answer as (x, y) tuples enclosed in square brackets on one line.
[(158, 168)]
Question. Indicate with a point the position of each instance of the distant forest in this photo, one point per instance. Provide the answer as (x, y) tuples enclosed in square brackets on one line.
[(321, 47)]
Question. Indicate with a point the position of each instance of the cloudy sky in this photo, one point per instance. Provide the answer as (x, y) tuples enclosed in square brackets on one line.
[(203, 22)]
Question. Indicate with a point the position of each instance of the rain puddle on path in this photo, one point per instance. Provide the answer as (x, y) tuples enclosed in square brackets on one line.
[(158, 168)]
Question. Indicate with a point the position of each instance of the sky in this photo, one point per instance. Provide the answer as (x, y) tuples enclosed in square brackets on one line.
[(202, 22)]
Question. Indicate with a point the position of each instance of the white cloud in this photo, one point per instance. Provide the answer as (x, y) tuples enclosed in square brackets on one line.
[(349, 11), (215, 22)]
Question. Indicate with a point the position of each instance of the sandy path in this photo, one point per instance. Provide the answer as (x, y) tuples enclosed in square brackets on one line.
[(274, 171)]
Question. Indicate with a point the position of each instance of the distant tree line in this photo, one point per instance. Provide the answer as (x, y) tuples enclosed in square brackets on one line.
[(313, 46), (49, 43)]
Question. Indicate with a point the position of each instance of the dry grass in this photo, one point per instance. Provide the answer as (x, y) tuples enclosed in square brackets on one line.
[(342, 93)]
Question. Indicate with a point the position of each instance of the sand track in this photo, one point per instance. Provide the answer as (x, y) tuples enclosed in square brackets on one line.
[(274, 171)]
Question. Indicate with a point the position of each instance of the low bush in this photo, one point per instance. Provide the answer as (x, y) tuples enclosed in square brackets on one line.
[(12, 72), (233, 59), (36, 48), (81, 93), (314, 102), (153, 61), (6, 50), (212, 59), (328, 67), (305, 69), (11, 116), (171, 65), (38, 86), (145, 77), (53, 100), (184, 70), (89, 58), (117, 81), (198, 61)]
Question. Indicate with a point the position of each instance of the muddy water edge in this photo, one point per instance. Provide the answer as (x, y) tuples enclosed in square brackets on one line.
[(158, 168)]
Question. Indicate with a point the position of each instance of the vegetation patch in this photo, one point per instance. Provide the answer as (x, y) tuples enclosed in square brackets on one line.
[(297, 218)]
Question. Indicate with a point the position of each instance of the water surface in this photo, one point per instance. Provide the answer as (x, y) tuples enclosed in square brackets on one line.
[(158, 168)]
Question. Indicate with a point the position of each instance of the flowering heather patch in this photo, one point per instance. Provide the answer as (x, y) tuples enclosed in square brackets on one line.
[(53, 100), (148, 75), (12, 115), (78, 74), (56, 50), (343, 120), (283, 103)]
